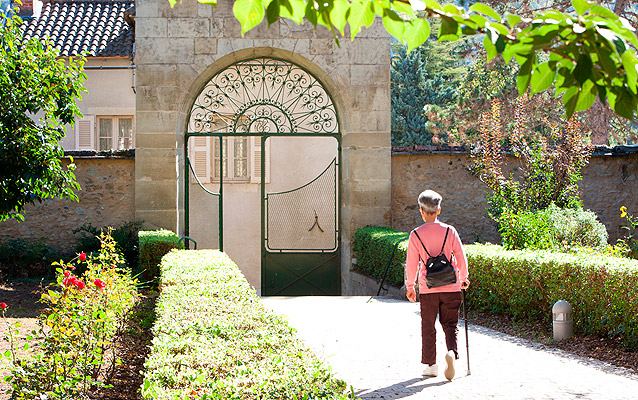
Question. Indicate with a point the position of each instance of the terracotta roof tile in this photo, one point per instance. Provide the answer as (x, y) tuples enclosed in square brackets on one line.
[(75, 26)]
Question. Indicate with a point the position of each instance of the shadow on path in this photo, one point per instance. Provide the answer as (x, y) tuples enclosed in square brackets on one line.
[(399, 390)]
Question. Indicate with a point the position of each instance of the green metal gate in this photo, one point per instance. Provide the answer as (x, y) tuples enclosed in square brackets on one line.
[(266, 98)]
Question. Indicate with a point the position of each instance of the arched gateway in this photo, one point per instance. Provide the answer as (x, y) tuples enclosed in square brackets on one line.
[(268, 126)]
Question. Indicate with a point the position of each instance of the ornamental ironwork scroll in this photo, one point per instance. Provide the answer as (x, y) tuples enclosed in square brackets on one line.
[(263, 96)]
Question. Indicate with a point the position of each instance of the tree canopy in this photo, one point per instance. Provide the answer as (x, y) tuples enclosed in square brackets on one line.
[(37, 93), (592, 51)]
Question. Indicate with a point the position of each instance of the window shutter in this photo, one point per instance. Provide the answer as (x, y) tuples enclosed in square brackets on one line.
[(255, 160), (85, 133), (200, 158)]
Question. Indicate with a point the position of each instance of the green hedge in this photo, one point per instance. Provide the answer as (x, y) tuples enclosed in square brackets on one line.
[(526, 283), (153, 246), (373, 247), (214, 340)]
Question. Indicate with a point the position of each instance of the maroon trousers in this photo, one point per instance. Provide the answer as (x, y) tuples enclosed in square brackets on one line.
[(447, 306)]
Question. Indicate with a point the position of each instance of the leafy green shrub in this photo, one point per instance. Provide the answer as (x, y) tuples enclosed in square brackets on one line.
[(125, 238), (153, 245), (526, 230), (526, 283), (577, 227), (373, 246), (21, 258), (552, 227), (78, 331), (214, 339)]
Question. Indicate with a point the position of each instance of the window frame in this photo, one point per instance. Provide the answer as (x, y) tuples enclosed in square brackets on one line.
[(230, 159), (115, 127)]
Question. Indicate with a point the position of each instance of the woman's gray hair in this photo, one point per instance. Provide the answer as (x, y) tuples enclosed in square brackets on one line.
[(430, 201)]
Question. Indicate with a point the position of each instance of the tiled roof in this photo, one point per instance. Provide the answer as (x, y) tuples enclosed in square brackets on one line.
[(76, 26)]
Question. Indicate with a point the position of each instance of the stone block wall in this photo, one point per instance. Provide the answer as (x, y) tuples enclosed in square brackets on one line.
[(179, 49), (106, 198), (609, 182)]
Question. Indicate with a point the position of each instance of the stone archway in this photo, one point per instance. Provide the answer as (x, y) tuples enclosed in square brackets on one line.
[(246, 115)]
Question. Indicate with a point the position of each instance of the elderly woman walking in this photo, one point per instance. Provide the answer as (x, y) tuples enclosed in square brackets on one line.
[(435, 253)]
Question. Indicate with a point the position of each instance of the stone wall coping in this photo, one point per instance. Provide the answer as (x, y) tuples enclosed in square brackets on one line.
[(111, 154), (621, 150)]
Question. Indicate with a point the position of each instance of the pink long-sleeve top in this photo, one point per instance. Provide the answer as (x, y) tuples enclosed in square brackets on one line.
[(432, 235)]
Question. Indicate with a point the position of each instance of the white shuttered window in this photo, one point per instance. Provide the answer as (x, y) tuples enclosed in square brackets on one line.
[(84, 133), (237, 160), (200, 157)]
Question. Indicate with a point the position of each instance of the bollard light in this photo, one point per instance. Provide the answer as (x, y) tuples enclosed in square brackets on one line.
[(562, 320)]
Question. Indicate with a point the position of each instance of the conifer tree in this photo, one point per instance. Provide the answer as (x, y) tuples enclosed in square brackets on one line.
[(411, 90)]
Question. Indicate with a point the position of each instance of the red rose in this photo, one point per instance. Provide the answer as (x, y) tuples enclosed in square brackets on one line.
[(82, 256), (79, 284), (68, 281), (99, 283), (3, 306), (67, 273)]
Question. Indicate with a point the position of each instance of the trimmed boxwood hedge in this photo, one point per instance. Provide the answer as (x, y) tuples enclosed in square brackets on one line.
[(213, 339), (373, 246), (526, 283), (153, 245)]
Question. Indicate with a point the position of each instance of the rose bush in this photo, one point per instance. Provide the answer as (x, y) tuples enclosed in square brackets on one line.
[(79, 328)]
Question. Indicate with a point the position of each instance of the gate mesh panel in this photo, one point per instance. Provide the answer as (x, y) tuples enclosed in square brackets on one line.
[(290, 216)]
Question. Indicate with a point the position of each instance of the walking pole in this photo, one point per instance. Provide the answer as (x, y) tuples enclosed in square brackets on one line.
[(467, 346)]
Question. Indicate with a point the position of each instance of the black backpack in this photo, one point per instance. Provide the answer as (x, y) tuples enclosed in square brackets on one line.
[(439, 270)]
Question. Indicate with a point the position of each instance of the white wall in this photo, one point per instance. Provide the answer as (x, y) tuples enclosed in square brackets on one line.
[(109, 93)]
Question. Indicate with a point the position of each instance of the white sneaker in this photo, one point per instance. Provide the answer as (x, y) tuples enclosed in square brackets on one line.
[(431, 370), (449, 365)]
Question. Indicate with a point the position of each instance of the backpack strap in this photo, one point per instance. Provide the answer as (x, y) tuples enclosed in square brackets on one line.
[(424, 248), (444, 240)]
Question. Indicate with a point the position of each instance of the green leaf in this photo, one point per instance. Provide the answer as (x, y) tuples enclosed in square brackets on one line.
[(311, 13), (7, 353), (449, 29), (210, 2), (478, 19), (451, 9), (605, 60), (525, 74), (583, 70), (339, 13), (405, 8), (393, 24), (513, 20), (625, 105), (26, 346), (542, 78), (631, 69), (489, 48), (570, 99), (361, 14), (582, 6), (587, 96), (249, 13), (603, 12), (292, 9), (433, 4), (273, 12), (416, 33), (500, 28), (485, 10)]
